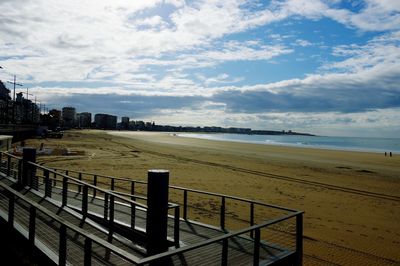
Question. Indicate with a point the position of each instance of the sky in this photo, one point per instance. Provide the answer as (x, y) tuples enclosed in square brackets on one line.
[(324, 67)]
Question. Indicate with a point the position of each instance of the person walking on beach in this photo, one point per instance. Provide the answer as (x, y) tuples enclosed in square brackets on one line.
[(390, 154), (385, 154)]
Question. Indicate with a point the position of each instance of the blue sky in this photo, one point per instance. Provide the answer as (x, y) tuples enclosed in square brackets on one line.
[(325, 67)]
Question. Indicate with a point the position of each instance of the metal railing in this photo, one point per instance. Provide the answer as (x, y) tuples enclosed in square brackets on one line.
[(36, 208), (183, 198), (116, 188)]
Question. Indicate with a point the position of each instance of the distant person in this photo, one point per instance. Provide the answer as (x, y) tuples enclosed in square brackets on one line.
[(385, 154), (390, 154)]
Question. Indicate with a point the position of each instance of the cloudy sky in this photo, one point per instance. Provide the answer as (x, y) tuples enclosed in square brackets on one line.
[(325, 67)]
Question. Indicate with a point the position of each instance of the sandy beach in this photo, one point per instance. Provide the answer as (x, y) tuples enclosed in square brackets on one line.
[(351, 199)]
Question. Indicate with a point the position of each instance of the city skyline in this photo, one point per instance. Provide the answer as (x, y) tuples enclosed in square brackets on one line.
[(324, 67)]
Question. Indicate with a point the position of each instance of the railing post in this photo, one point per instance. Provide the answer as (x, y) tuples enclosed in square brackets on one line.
[(11, 210), (80, 186), (176, 227), (94, 184), (112, 205), (112, 183), (47, 184), (20, 167), (32, 226), (55, 179), (185, 204), (222, 214), (224, 259), (251, 218), (256, 252), (299, 239), (85, 200), (111, 220), (8, 165), (65, 191), (106, 206), (157, 212), (62, 248), (133, 206), (88, 252)]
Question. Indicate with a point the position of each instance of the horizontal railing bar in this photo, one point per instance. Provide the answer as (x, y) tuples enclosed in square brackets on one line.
[(84, 233), (218, 238), (170, 205), (11, 155)]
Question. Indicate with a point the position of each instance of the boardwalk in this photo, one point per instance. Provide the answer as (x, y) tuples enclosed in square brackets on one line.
[(78, 220)]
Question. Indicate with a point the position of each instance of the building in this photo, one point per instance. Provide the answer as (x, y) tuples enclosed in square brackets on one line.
[(105, 121), (69, 117), (25, 111), (52, 119), (124, 122), (84, 120), (5, 101)]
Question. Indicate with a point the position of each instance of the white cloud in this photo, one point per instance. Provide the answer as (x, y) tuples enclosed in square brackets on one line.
[(302, 43), (222, 79)]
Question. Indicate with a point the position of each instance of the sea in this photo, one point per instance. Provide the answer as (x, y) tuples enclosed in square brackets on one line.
[(320, 142)]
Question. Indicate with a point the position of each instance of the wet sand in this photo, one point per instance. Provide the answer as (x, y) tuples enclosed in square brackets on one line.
[(351, 199)]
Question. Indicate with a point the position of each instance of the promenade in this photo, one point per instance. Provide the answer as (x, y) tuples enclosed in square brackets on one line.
[(77, 218)]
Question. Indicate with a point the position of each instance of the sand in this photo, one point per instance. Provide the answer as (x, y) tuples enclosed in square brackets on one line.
[(351, 199)]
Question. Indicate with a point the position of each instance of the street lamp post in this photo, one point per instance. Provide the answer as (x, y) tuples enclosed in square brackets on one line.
[(14, 83)]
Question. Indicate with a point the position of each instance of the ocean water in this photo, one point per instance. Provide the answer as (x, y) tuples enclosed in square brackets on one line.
[(322, 142)]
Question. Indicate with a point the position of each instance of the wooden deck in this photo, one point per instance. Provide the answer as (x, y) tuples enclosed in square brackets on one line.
[(195, 238)]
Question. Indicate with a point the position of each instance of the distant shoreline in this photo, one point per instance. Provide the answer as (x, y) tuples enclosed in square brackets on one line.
[(374, 145)]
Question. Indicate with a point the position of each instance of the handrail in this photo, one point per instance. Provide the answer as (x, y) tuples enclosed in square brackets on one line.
[(170, 205), (187, 189), (59, 219), (219, 238), (83, 183), (11, 155)]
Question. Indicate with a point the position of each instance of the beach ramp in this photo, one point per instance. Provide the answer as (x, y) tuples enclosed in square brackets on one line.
[(68, 217)]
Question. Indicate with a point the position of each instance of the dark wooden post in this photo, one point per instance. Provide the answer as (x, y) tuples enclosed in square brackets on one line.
[(28, 170), (157, 212)]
